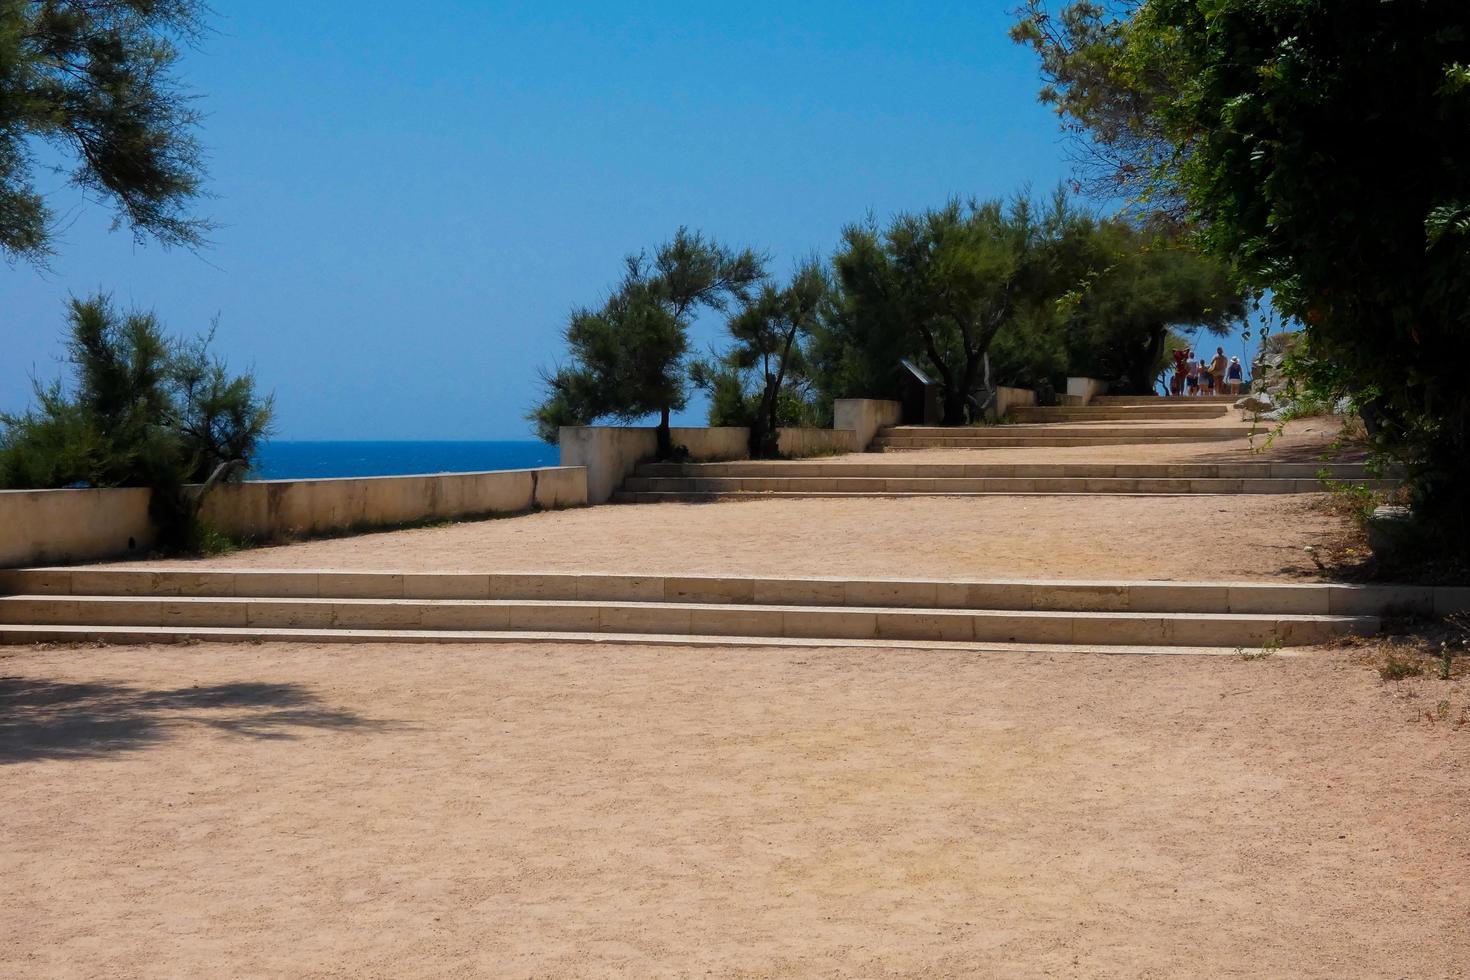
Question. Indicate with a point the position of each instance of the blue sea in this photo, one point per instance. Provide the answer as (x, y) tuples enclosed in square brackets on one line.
[(284, 460)]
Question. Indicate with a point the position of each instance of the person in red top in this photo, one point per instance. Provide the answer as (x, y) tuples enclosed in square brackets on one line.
[(1181, 357)]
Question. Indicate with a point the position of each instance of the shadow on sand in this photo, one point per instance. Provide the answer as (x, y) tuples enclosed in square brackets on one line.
[(44, 719)]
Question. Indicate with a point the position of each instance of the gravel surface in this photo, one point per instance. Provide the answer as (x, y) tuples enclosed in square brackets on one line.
[(565, 812)]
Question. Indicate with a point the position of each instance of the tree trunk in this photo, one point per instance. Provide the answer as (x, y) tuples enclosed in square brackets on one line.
[(1141, 368), (665, 437), (763, 433)]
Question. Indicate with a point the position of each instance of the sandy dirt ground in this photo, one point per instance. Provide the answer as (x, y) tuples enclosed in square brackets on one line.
[(536, 811), (1188, 538), (1185, 538), (1304, 440)]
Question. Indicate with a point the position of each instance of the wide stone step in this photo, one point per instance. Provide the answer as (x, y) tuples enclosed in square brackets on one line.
[(1161, 400), (1202, 430), (965, 486), (1041, 442), (269, 585), (159, 634), (858, 467), (683, 618), (1141, 414)]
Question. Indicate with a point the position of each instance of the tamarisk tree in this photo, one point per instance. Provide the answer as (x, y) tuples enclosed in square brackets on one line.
[(769, 333), (628, 358), (93, 81)]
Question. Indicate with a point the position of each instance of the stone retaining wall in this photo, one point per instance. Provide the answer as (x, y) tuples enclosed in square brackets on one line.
[(59, 526), (44, 526), (1009, 398), (610, 453)]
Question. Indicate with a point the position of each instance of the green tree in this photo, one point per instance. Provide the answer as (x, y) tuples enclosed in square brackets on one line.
[(941, 285), (1320, 148), (769, 332), (1144, 283), (627, 359), (141, 411), (93, 80), (1108, 85)]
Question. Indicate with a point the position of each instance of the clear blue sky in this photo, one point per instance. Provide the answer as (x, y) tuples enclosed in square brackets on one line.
[(413, 196)]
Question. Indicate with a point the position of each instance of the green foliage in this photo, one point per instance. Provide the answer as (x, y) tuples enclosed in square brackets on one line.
[(1395, 669), (1020, 295), (1108, 84), (759, 381), (1142, 283), (141, 411), (940, 286), (627, 359), (93, 79), (1320, 149), (1330, 165)]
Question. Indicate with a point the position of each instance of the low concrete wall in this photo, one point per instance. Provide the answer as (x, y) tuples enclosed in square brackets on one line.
[(58, 526), (46, 526), (269, 508), (610, 453), (1085, 389), (864, 416), (1009, 398), (817, 442)]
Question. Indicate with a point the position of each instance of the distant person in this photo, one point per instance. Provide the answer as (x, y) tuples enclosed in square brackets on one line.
[(1206, 383), (1218, 366), (1235, 374), (1191, 380), (1181, 357)]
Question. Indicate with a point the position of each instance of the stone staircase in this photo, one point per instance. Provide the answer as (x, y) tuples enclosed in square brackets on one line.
[(1056, 434), (150, 606), (1114, 401), (1118, 413), (853, 477)]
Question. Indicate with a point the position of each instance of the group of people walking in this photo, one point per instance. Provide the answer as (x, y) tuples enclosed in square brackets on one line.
[(1221, 375)]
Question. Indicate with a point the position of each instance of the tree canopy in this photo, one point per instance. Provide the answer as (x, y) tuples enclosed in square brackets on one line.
[(1144, 283), (94, 81), (940, 285), (769, 333), (140, 411), (628, 358), (1320, 148)]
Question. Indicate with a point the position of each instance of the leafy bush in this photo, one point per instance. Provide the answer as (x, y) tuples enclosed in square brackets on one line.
[(141, 411)]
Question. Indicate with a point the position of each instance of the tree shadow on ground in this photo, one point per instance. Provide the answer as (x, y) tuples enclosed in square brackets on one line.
[(1288, 453), (45, 719)]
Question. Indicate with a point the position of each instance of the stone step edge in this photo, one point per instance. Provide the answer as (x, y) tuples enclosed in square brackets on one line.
[(712, 496), (1103, 481), (984, 625), (806, 469), (1045, 595), (658, 605), (1101, 486), (1049, 443), (13, 635)]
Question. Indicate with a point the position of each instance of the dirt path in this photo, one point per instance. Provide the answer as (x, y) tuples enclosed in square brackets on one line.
[(1078, 537), (412, 812)]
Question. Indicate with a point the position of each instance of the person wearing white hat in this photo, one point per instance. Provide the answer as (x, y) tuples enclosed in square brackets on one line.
[(1234, 373)]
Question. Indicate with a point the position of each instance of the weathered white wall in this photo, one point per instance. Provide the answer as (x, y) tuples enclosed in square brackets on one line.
[(268, 508), (611, 453), (50, 526), (45, 526), (1009, 398), (1085, 389), (864, 417), (817, 442)]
